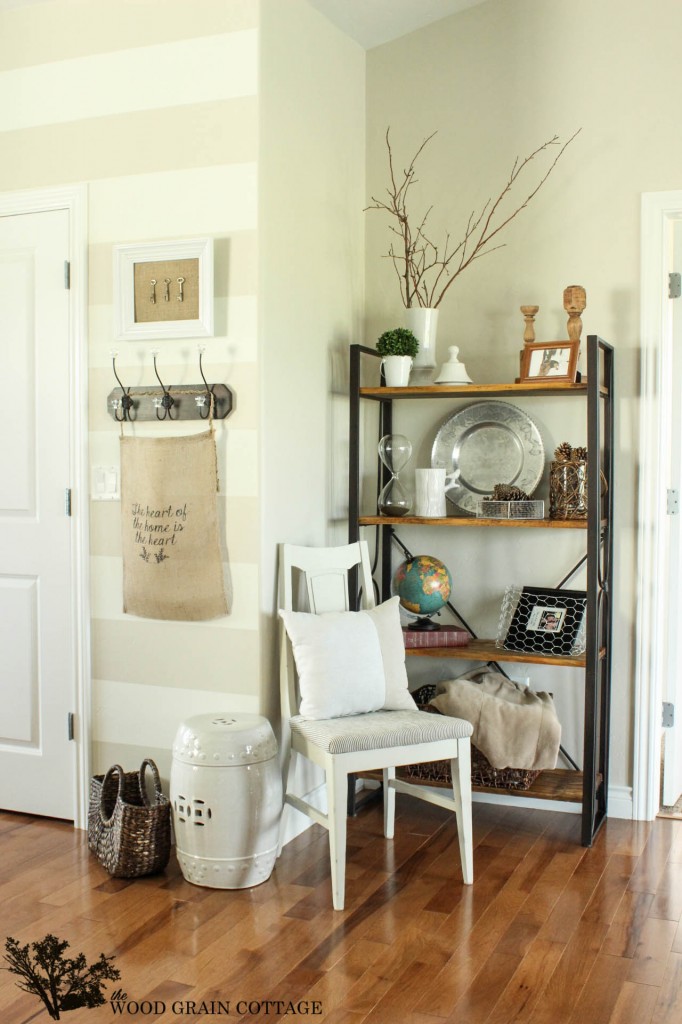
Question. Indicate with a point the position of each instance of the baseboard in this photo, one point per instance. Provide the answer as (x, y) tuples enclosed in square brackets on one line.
[(620, 802), (620, 806)]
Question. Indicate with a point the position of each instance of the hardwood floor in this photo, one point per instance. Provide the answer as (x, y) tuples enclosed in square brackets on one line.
[(550, 933)]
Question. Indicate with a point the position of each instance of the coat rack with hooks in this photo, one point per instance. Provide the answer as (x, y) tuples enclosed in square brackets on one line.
[(168, 402)]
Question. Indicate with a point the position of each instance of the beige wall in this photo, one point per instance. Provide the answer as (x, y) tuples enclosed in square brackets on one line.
[(495, 81), (243, 121), (158, 112), (311, 275)]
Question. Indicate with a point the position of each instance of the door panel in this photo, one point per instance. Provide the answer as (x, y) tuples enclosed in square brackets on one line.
[(37, 675)]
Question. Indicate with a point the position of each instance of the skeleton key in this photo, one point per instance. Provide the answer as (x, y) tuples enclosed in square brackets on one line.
[(181, 281), (166, 294), (152, 294)]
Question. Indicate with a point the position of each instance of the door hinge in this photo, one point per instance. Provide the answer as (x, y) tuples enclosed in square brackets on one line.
[(67, 501), (70, 719), (668, 715), (67, 274), (672, 504), (674, 286)]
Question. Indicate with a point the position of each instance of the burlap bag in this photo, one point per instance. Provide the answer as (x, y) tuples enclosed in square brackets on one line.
[(172, 564)]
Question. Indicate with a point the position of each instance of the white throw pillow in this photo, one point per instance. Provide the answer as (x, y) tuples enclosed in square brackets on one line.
[(349, 663)]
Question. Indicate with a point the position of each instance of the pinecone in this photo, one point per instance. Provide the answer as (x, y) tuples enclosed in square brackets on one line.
[(564, 452), (580, 454), (505, 492)]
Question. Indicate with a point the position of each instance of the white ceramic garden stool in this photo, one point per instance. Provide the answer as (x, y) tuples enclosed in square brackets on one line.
[(226, 799)]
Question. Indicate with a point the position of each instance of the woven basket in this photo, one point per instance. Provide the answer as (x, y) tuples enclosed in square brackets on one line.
[(482, 772), (129, 833)]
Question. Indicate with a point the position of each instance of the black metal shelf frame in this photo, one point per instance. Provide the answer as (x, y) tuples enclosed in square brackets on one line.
[(598, 394)]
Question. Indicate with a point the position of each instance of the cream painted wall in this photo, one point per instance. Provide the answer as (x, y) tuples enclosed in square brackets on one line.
[(495, 81), (159, 115), (311, 289)]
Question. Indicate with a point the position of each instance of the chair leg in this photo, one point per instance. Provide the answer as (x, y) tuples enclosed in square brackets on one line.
[(461, 788), (389, 804), (287, 775), (337, 795)]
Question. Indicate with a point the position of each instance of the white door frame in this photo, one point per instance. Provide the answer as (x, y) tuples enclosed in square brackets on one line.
[(74, 199), (659, 212)]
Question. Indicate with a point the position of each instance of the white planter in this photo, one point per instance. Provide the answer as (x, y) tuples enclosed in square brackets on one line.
[(397, 370), (423, 323)]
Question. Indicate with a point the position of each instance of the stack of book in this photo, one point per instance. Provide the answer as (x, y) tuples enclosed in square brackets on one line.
[(445, 636)]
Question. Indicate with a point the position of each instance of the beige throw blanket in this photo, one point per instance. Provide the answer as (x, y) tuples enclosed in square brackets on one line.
[(513, 726)]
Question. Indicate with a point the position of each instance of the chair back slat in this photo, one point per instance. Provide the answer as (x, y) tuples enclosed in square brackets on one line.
[(325, 575)]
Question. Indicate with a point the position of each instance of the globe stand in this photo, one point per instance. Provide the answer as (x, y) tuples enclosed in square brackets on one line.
[(424, 623)]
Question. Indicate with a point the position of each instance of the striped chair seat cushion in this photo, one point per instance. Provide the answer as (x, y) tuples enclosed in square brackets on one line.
[(379, 730)]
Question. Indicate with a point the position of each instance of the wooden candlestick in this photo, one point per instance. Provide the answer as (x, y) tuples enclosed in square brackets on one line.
[(574, 304), (529, 316)]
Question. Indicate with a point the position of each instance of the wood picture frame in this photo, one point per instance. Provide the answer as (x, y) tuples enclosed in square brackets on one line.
[(550, 360), (163, 290)]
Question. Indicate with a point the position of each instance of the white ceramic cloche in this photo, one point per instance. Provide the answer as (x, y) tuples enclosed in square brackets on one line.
[(453, 372)]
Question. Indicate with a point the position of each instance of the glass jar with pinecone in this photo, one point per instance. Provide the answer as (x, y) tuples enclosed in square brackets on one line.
[(568, 483)]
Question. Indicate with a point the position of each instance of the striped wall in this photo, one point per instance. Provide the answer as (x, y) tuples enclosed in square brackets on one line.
[(155, 106)]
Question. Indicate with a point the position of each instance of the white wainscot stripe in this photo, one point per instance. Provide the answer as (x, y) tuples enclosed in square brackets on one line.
[(174, 74), (241, 579), (135, 714), (239, 345), (187, 203)]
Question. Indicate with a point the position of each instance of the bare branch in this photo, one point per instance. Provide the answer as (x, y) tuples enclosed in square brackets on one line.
[(425, 271)]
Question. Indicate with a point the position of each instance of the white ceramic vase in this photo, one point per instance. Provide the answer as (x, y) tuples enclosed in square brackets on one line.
[(397, 370), (423, 323)]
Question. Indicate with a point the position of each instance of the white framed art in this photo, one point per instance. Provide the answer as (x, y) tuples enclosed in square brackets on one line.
[(163, 290)]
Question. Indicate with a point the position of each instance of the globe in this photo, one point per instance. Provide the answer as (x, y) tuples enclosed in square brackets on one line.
[(424, 585)]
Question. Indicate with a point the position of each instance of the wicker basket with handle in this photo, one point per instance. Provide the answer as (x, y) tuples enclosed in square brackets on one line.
[(127, 831)]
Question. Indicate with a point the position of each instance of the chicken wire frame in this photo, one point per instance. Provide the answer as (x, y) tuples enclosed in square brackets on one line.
[(126, 256), (543, 621)]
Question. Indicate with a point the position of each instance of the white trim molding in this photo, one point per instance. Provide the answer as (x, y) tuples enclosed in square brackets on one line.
[(74, 199), (659, 211)]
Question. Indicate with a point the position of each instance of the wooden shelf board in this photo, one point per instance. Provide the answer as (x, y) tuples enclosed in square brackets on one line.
[(465, 390), (556, 784), (472, 521), (485, 650)]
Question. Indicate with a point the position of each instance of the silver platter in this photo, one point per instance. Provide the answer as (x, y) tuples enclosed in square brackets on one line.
[(487, 443)]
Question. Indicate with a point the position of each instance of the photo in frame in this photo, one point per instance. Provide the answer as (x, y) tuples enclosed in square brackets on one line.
[(550, 360), (163, 290), (543, 621)]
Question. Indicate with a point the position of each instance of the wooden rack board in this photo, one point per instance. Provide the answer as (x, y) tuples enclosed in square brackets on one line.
[(486, 650), (555, 784)]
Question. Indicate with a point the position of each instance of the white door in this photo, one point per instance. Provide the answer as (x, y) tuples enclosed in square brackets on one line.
[(672, 681), (37, 649)]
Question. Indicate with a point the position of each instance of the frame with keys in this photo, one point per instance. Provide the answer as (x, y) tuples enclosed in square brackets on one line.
[(164, 290)]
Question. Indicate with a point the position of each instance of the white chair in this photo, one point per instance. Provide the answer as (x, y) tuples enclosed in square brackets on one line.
[(361, 742)]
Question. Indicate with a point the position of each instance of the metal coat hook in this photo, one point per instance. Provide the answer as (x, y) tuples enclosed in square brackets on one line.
[(167, 402), (201, 400), (125, 403)]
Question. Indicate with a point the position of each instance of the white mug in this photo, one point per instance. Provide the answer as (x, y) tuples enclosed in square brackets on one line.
[(396, 370), (429, 500)]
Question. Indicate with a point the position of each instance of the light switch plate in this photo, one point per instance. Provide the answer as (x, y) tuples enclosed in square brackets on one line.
[(104, 483)]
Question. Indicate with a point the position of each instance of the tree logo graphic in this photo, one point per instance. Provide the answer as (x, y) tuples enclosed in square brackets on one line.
[(61, 983)]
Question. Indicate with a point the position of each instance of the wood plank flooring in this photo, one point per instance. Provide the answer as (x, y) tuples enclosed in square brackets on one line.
[(550, 933)]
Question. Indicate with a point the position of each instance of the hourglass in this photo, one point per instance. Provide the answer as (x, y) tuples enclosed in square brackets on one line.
[(394, 451)]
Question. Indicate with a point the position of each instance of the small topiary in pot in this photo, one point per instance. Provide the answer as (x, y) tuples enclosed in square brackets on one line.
[(398, 342)]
